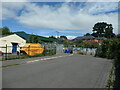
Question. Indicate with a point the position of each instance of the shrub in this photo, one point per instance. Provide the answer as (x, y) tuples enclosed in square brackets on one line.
[(88, 45), (109, 48)]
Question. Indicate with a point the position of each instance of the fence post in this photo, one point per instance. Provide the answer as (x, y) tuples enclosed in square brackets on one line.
[(29, 50), (6, 53)]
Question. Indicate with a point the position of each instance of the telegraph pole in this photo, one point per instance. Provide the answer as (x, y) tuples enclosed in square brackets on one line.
[(57, 34)]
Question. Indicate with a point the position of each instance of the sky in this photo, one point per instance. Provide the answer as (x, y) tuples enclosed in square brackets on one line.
[(71, 19)]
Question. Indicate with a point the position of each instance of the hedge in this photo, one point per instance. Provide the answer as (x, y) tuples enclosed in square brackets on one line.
[(109, 48)]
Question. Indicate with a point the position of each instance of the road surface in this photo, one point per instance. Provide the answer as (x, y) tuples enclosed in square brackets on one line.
[(69, 71)]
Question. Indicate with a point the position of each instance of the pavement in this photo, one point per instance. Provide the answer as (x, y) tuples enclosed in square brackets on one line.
[(65, 71)]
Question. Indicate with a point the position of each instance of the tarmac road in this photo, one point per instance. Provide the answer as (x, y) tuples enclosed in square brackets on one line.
[(70, 71)]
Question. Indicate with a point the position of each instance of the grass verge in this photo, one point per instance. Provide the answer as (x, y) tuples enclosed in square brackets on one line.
[(111, 79), (12, 65)]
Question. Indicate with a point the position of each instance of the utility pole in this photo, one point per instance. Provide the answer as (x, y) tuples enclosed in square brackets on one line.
[(57, 34)]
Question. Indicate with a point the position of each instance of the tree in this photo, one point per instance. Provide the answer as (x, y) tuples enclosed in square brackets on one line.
[(87, 34), (118, 36), (78, 42), (52, 37), (64, 37), (34, 39), (0, 31), (99, 28), (31, 39), (5, 31), (109, 31), (102, 29)]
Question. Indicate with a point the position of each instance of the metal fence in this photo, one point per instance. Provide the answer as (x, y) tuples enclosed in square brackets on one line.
[(89, 51), (6, 52)]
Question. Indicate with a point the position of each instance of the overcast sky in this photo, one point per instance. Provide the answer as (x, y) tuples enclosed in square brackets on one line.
[(69, 18)]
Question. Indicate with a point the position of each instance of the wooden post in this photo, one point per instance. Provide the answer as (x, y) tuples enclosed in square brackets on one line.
[(29, 50), (6, 53)]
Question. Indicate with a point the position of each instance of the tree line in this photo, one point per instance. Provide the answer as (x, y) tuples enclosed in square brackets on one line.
[(5, 31)]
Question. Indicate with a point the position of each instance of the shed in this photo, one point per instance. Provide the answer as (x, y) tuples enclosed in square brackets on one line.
[(12, 42)]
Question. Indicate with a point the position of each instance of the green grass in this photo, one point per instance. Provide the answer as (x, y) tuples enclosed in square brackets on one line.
[(111, 78), (12, 65)]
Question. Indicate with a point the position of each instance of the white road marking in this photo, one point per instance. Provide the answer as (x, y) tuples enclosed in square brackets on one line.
[(47, 58)]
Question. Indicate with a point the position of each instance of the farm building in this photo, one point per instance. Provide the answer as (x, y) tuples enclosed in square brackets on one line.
[(12, 42)]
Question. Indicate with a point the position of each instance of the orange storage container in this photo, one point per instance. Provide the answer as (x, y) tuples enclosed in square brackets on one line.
[(32, 49)]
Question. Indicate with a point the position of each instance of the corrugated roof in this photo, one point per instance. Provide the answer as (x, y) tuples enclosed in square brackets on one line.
[(100, 38), (27, 37), (23, 35), (84, 38)]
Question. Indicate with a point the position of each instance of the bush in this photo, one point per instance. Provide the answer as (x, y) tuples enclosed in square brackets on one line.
[(109, 48), (88, 45), (49, 52)]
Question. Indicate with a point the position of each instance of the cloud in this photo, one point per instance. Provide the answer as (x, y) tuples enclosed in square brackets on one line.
[(102, 0), (100, 7), (71, 37), (10, 9), (14, 0), (65, 17), (0, 11)]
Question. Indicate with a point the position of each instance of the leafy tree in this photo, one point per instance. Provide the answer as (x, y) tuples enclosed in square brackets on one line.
[(67, 43), (101, 29), (87, 34), (31, 39), (0, 31), (78, 42), (109, 48), (109, 31), (64, 37), (52, 37), (5, 31), (87, 45), (34, 39)]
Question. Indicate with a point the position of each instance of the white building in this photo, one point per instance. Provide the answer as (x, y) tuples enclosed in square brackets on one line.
[(13, 42)]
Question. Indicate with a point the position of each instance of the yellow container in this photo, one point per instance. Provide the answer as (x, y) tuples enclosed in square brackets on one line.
[(32, 49)]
